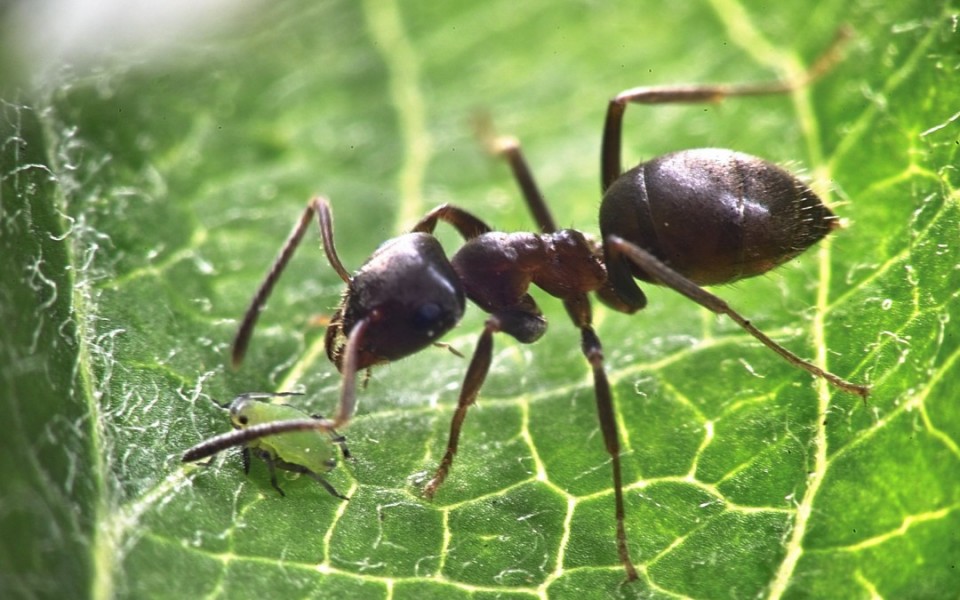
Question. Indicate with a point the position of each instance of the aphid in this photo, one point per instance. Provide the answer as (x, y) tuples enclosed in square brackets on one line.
[(682, 220), (282, 436)]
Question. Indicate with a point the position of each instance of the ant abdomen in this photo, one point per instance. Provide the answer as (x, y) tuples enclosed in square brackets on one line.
[(712, 215)]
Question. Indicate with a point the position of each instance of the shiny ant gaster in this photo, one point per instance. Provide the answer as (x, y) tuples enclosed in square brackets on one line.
[(683, 220)]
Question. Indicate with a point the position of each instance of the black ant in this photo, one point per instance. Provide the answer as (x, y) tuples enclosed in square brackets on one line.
[(683, 220)]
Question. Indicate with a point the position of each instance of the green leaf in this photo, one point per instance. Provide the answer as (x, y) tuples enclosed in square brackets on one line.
[(142, 203)]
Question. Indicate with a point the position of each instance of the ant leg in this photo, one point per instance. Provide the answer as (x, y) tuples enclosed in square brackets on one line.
[(508, 147), (472, 382), (677, 282), (578, 307), (610, 167), (317, 205), (245, 457), (468, 225)]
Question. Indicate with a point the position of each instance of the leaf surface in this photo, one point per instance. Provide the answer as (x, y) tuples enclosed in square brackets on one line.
[(142, 204)]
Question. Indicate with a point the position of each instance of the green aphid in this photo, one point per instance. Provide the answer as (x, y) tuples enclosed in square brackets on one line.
[(282, 436)]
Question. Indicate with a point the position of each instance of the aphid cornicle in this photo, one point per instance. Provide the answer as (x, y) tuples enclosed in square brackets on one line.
[(682, 220), (282, 436)]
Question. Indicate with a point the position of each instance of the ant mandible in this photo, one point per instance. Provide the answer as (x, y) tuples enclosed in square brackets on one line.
[(749, 216)]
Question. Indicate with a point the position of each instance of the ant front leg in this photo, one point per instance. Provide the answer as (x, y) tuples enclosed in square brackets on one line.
[(610, 166), (521, 320), (472, 382), (320, 207)]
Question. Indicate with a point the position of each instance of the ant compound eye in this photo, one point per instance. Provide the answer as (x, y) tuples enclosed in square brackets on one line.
[(243, 420), (426, 315)]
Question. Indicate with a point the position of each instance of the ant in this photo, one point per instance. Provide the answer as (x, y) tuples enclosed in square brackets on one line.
[(682, 220)]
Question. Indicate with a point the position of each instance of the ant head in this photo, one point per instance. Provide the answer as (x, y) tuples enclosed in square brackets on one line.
[(409, 293)]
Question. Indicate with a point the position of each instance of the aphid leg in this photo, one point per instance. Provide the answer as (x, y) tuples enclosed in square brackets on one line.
[(367, 374), (280, 464), (579, 310), (336, 438), (245, 458), (472, 382), (321, 207), (272, 467), (610, 166), (677, 282), (326, 484), (342, 442)]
